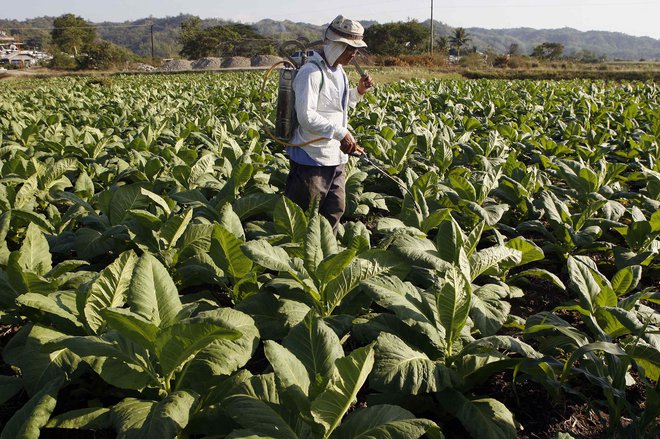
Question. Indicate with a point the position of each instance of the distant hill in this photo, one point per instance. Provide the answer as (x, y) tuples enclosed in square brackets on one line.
[(136, 36), (614, 45)]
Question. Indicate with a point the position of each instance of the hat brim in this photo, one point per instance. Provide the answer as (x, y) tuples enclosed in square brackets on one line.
[(332, 36)]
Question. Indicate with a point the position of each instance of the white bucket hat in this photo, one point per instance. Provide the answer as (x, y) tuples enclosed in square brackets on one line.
[(347, 31)]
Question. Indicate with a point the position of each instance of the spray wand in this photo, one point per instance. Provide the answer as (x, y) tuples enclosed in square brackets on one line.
[(365, 157)]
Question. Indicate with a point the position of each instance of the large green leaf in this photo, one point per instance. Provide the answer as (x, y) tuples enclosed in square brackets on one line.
[(128, 417), (347, 281), (333, 265), (259, 418), (402, 298), (627, 279), (175, 227), (196, 240), (26, 350), (169, 416), (350, 374), (382, 421), (9, 386), (176, 343), (123, 200), (50, 310), (160, 201), (27, 422), (132, 326), (289, 370), (494, 260), (463, 187), (26, 194), (24, 281), (35, 252), (483, 418), (255, 204), (488, 309), (90, 243), (152, 293), (420, 251), (226, 253), (319, 242), (91, 418), (501, 342), (400, 368), (264, 254), (290, 219), (647, 357), (222, 356), (411, 307), (316, 346), (272, 315), (291, 377), (583, 282), (453, 304), (530, 252), (108, 290), (115, 359), (540, 273), (55, 171), (232, 222), (450, 240)]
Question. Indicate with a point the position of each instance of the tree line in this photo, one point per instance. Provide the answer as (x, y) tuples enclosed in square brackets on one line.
[(412, 38), (75, 43)]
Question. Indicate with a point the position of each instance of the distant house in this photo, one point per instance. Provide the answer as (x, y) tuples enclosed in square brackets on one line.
[(19, 59), (12, 54)]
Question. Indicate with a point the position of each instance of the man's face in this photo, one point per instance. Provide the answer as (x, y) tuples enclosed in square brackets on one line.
[(345, 58)]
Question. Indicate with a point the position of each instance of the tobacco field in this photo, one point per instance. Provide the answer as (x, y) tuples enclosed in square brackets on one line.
[(155, 283)]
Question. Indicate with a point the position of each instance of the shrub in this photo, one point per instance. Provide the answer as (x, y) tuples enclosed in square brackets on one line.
[(501, 61), (62, 61), (104, 55), (473, 61)]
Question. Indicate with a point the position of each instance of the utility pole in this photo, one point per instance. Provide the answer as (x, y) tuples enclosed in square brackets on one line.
[(152, 43), (431, 27)]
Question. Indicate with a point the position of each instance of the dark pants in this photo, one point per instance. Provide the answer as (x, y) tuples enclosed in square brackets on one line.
[(325, 182)]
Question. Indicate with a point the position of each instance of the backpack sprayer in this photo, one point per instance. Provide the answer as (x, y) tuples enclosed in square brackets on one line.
[(285, 115)]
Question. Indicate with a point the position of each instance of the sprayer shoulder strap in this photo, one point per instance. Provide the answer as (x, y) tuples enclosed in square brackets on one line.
[(322, 74)]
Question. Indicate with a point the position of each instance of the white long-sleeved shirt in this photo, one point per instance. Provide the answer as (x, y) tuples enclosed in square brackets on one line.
[(321, 111)]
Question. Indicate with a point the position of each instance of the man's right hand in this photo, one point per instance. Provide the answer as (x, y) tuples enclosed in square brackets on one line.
[(349, 145)]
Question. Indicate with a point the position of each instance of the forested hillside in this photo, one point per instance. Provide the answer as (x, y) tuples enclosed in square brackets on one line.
[(136, 36)]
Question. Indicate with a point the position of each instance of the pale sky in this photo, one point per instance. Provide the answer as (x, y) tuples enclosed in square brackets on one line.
[(634, 17)]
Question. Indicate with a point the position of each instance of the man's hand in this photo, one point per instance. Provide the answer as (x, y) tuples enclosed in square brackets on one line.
[(349, 146), (365, 84)]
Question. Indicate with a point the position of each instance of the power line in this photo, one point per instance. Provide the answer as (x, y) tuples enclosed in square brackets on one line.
[(93, 26)]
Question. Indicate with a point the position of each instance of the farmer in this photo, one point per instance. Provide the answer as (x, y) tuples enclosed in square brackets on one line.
[(322, 100)]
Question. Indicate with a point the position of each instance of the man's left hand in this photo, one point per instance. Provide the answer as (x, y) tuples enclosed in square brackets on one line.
[(365, 84)]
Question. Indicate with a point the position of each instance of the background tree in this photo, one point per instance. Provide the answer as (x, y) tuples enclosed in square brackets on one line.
[(401, 38), (104, 55), (459, 39), (548, 51), (514, 49), (214, 41), (442, 45), (71, 34)]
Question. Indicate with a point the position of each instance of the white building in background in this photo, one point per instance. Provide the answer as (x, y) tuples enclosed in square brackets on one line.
[(11, 53)]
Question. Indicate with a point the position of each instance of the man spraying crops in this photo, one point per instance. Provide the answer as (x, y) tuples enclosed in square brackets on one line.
[(322, 100)]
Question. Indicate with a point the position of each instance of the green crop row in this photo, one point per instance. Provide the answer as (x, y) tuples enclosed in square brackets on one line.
[(146, 252)]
